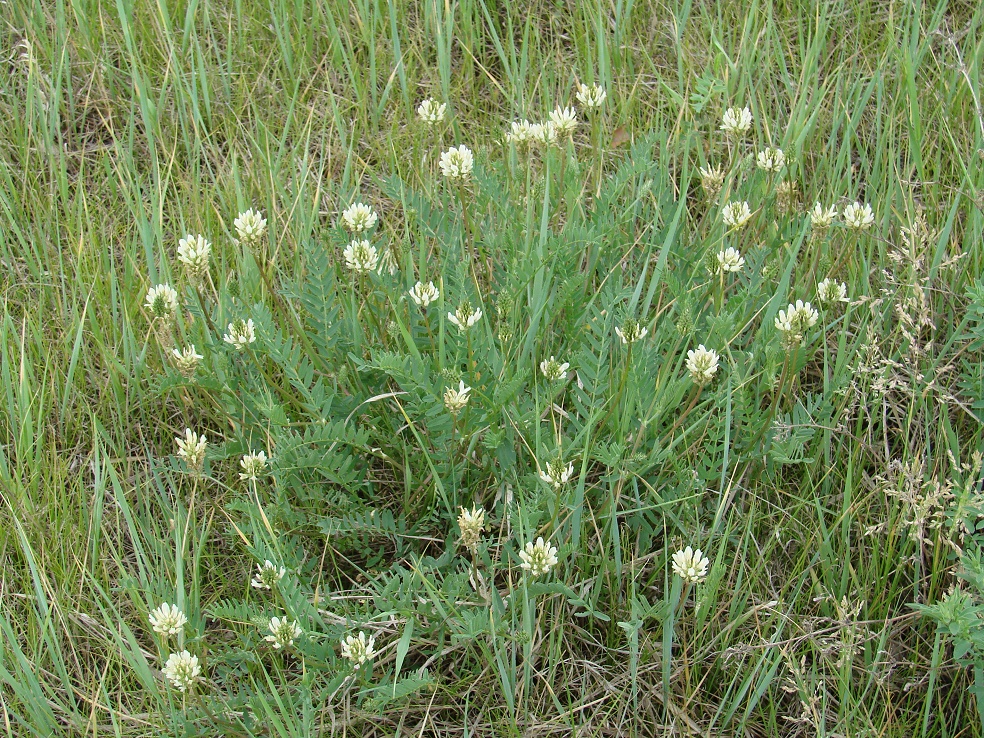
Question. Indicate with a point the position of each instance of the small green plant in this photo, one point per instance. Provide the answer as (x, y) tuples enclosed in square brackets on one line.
[(490, 368)]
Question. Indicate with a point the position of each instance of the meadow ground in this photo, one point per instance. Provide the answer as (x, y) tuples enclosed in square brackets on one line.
[(659, 414)]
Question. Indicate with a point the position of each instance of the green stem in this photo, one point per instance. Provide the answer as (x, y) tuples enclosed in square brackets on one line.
[(596, 135), (466, 236), (775, 404), (560, 179), (720, 295), (690, 406), (621, 386)]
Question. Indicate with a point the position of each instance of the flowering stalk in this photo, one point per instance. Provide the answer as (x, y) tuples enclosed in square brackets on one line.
[(623, 380), (775, 403), (560, 178), (694, 394), (466, 234), (466, 226), (596, 145), (720, 294)]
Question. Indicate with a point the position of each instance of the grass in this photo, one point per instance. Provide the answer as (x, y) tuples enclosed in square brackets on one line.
[(831, 486)]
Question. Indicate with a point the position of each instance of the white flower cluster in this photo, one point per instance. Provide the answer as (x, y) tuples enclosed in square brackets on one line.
[(771, 160), (431, 112), (268, 575), (821, 218), (162, 301), (702, 364), (465, 316), (192, 449), (736, 214), (553, 370), (456, 399), (359, 649), (712, 180), (361, 256), (795, 321), (457, 163), (538, 558), (241, 333), (730, 260), (194, 252), (167, 620), (186, 360), (858, 217), (556, 474), (358, 218), (424, 294), (831, 292), (690, 565), (182, 670), (253, 465), (250, 226), (736, 122), (564, 121), (283, 632), (591, 96), (471, 523), (520, 132)]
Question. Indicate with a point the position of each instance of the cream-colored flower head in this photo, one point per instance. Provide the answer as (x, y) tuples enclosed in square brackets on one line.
[(591, 97), (538, 558), (471, 523), (283, 632), (431, 112), (250, 226), (457, 163), (253, 465), (556, 474), (358, 649), (194, 253), (268, 575), (712, 180), (456, 399), (858, 217), (167, 620), (730, 260), (192, 449), (182, 670), (241, 333), (702, 364), (465, 316), (361, 256), (519, 132), (736, 122), (564, 121), (771, 160), (831, 292), (162, 301), (424, 294), (631, 331), (691, 565), (186, 360), (359, 217), (821, 218), (544, 133), (553, 370), (795, 321), (736, 214)]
